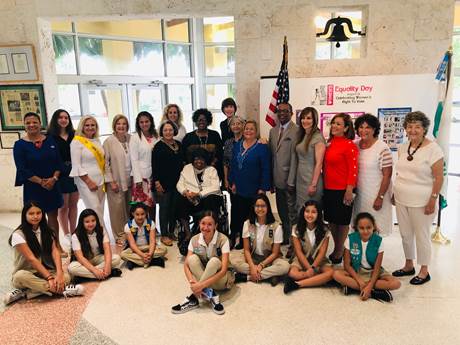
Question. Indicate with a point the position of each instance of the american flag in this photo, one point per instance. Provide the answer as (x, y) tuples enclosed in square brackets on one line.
[(281, 92)]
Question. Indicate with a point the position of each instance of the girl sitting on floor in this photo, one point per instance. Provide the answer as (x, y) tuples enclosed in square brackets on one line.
[(363, 258), (37, 260), (310, 238), (91, 248), (206, 266), (142, 248), (262, 237)]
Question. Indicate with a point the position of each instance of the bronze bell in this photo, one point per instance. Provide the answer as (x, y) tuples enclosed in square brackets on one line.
[(338, 35)]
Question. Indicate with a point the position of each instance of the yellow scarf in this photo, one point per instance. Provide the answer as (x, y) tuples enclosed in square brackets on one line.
[(96, 152)]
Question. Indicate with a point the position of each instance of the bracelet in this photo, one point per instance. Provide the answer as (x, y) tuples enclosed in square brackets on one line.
[(262, 264)]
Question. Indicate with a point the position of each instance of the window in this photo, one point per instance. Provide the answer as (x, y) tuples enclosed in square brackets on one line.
[(351, 49), (219, 62), (109, 67)]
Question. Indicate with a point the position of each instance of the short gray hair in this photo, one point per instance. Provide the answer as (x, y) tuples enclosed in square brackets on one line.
[(415, 116)]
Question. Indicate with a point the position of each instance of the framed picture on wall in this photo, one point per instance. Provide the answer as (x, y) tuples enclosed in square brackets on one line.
[(17, 63), (16, 101), (7, 139)]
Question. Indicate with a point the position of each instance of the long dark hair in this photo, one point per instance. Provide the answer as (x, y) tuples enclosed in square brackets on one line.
[(314, 127), (82, 234), (47, 235), (320, 230), (252, 214), (152, 129), (54, 128)]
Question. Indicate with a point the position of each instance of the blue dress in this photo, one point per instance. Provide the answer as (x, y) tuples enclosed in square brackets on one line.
[(250, 171), (42, 162)]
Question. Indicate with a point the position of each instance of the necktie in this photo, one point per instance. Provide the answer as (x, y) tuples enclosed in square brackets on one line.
[(281, 135)]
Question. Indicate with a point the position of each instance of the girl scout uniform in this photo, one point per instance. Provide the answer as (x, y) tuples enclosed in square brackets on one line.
[(142, 238), (309, 247), (206, 260), (96, 257), (261, 239)]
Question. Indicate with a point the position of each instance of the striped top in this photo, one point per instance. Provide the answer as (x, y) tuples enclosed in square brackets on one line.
[(371, 162)]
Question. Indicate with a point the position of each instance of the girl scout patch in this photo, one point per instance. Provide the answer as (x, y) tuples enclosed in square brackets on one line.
[(355, 249), (219, 251), (270, 233)]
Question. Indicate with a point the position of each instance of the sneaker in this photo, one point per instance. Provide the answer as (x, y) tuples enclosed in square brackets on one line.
[(217, 307), (116, 272), (157, 262), (290, 285), (241, 277), (348, 290), (14, 296), (73, 290), (130, 265), (381, 295), (190, 303), (274, 280)]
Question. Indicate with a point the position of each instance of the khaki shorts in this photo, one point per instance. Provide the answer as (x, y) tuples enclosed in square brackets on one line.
[(366, 274)]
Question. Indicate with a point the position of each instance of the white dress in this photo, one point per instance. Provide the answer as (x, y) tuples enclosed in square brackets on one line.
[(371, 162)]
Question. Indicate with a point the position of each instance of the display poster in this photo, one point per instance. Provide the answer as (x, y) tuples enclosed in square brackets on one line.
[(356, 95), (392, 130)]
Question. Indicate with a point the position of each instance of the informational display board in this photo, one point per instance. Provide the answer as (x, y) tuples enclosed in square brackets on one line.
[(388, 96)]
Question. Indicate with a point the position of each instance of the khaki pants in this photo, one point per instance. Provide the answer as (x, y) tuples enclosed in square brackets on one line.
[(129, 255), (76, 269), (23, 279), (201, 273), (119, 211), (278, 267)]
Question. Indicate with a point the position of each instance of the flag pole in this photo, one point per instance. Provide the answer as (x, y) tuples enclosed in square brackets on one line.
[(437, 236)]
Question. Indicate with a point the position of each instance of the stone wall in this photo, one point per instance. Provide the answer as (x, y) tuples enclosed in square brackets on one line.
[(403, 37)]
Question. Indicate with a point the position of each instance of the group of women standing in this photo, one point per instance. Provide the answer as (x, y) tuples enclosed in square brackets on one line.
[(343, 177)]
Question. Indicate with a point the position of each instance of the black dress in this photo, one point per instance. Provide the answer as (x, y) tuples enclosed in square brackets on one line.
[(65, 182)]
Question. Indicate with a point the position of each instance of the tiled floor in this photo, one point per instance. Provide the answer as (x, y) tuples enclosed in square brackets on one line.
[(135, 309)]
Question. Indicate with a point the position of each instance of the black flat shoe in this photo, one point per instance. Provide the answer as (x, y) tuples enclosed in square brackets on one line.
[(402, 273), (420, 281)]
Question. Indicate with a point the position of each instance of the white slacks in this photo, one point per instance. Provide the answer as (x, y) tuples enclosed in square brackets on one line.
[(415, 229)]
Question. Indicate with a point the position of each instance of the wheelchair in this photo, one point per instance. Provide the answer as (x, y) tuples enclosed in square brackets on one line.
[(223, 225)]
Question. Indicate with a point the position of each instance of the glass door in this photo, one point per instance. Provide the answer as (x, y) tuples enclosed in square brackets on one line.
[(104, 101), (146, 97)]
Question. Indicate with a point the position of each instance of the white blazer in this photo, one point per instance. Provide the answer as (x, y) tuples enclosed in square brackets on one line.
[(141, 157), (84, 162), (188, 181)]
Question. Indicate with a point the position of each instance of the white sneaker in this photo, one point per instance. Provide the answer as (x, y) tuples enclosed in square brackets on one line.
[(13, 296), (73, 290)]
